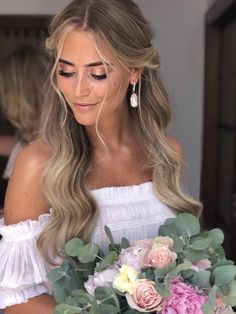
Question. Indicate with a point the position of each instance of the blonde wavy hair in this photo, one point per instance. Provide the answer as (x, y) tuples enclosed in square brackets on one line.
[(22, 78), (121, 25)]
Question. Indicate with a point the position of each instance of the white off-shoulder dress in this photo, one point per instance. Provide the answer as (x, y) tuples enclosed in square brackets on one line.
[(133, 212)]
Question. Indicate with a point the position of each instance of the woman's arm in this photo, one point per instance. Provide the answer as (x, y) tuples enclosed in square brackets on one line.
[(24, 200), (43, 304)]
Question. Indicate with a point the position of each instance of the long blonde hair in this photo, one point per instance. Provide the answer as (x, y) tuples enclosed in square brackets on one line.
[(22, 78), (120, 24)]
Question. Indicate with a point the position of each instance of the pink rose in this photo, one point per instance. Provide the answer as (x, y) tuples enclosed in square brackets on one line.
[(159, 257), (145, 297), (183, 299)]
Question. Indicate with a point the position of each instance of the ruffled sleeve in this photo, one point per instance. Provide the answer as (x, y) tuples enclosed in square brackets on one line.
[(23, 271)]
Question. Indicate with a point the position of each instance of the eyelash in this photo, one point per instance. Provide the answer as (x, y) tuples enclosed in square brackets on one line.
[(98, 77), (94, 76), (66, 74)]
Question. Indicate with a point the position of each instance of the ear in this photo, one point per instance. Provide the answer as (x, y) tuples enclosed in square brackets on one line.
[(135, 75)]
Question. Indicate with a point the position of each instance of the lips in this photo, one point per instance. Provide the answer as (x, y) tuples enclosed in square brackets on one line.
[(84, 106)]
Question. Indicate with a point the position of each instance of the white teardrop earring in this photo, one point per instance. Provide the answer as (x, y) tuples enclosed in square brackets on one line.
[(134, 97)]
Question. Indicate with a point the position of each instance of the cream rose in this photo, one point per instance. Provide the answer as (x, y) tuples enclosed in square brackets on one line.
[(163, 241), (124, 281)]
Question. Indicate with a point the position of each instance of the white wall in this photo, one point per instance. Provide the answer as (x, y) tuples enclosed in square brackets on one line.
[(179, 27), (31, 6)]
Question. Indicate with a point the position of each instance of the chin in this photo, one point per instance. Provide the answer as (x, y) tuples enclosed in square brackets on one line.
[(86, 121)]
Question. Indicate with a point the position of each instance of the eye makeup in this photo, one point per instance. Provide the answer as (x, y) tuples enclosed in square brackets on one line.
[(96, 70), (65, 73)]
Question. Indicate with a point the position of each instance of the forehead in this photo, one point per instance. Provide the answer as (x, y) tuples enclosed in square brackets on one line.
[(80, 47)]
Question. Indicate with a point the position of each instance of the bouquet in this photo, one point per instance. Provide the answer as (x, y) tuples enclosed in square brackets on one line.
[(182, 270)]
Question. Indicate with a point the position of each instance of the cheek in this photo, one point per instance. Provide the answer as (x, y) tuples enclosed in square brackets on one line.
[(117, 90), (63, 85)]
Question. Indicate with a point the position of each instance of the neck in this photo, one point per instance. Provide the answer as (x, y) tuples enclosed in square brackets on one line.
[(115, 133)]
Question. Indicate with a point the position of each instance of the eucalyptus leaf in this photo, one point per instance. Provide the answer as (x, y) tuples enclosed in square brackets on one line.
[(178, 243), (170, 221), (188, 223), (71, 247), (207, 308), (230, 299), (202, 279), (65, 308), (183, 266), (115, 247), (130, 311), (88, 253), (60, 292), (167, 230), (109, 234), (217, 237), (107, 309), (94, 307), (83, 296), (161, 272), (187, 274), (58, 273), (64, 286), (108, 260), (125, 243), (73, 301), (223, 275), (217, 255), (221, 263), (200, 244), (85, 269), (148, 273), (194, 255), (105, 295), (162, 289)]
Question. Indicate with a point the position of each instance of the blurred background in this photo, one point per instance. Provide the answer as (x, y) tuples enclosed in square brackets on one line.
[(197, 44)]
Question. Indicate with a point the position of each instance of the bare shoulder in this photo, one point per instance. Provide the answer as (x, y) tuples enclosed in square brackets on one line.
[(24, 197), (31, 159), (175, 145)]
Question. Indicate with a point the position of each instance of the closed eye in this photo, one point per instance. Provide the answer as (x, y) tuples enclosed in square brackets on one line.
[(66, 74), (98, 77)]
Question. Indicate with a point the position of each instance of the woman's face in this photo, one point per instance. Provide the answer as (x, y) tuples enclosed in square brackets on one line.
[(82, 79)]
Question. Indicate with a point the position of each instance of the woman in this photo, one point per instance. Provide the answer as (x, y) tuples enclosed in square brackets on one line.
[(104, 156)]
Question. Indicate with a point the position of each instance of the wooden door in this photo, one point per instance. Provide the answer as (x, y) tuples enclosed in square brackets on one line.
[(219, 149)]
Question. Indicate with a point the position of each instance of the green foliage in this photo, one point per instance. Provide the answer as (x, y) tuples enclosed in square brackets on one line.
[(109, 259), (190, 244)]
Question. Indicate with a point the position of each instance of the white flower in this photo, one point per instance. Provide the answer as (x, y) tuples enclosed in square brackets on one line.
[(104, 278)]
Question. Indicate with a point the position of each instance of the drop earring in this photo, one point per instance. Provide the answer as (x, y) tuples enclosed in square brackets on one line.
[(134, 97)]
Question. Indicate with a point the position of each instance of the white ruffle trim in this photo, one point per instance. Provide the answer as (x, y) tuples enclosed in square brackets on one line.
[(24, 230), (23, 271), (12, 297)]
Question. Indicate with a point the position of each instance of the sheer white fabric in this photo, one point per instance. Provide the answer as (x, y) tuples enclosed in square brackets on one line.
[(11, 160), (133, 212)]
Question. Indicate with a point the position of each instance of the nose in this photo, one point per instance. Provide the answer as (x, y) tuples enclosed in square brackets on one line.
[(81, 88)]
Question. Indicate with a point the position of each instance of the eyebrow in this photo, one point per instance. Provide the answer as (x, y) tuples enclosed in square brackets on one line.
[(94, 64)]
